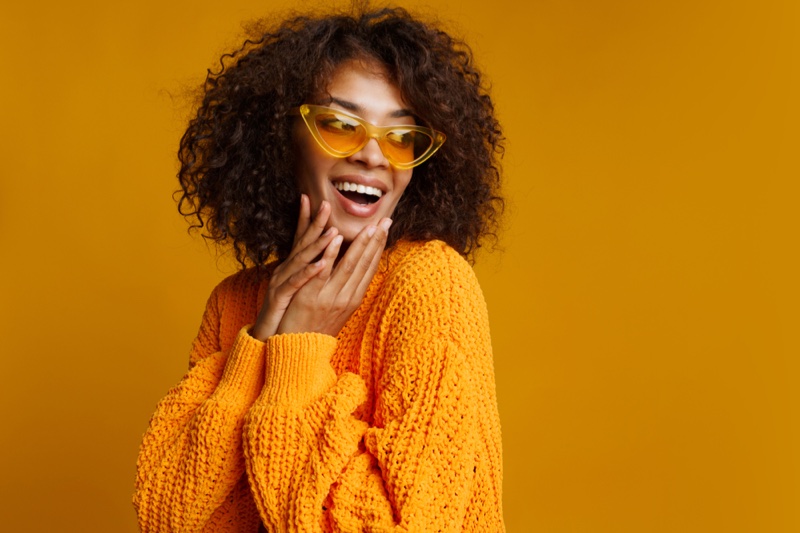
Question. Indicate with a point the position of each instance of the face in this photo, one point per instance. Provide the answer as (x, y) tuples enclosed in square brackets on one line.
[(362, 89)]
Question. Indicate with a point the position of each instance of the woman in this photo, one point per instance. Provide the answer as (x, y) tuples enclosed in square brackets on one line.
[(345, 381)]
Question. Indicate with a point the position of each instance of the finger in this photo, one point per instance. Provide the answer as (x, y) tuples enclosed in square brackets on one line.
[(296, 281), (314, 229), (303, 257), (349, 262), (330, 255), (358, 258), (282, 296), (361, 289), (329, 259), (304, 218), (368, 263), (298, 315)]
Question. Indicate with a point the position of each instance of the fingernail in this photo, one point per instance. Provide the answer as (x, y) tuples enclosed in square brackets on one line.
[(321, 206), (371, 231), (338, 240), (328, 231), (386, 223)]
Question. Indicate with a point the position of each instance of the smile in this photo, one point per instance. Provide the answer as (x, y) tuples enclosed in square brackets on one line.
[(360, 194)]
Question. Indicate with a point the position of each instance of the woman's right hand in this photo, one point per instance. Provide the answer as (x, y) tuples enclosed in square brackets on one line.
[(310, 241), (326, 302)]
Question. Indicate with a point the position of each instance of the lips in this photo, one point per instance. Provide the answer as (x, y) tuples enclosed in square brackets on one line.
[(348, 203)]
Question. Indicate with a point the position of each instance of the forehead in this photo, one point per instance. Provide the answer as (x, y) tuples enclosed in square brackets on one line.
[(365, 88)]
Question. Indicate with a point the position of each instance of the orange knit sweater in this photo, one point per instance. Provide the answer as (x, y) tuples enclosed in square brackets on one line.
[(392, 426)]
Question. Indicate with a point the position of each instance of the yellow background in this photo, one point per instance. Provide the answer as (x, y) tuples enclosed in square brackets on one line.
[(645, 311)]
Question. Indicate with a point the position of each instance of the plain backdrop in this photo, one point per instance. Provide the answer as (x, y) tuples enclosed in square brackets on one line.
[(644, 305)]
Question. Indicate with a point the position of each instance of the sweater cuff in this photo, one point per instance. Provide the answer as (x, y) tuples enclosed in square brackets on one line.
[(241, 380), (298, 368)]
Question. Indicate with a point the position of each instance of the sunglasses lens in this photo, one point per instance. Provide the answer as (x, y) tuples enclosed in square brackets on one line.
[(341, 133), (405, 146)]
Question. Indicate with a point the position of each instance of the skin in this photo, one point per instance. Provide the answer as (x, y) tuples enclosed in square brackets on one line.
[(364, 90), (336, 252)]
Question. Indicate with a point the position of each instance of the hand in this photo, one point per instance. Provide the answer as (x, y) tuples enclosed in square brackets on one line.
[(298, 268), (325, 302)]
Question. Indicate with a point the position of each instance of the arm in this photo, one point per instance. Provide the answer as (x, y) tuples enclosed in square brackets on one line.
[(190, 467), (314, 466)]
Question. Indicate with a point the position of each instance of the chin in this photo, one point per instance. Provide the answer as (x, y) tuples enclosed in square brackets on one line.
[(350, 229), (352, 213)]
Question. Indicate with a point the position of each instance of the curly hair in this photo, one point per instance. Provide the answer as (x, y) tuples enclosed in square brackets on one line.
[(237, 156)]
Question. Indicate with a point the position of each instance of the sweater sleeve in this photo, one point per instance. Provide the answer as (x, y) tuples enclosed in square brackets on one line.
[(190, 471), (315, 466)]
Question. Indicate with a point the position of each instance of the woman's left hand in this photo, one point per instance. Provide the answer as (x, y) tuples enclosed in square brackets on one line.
[(326, 301)]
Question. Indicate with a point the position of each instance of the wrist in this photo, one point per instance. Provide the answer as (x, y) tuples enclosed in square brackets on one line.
[(262, 331)]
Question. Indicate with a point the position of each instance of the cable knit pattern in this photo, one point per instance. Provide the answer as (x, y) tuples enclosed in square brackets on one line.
[(392, 426)]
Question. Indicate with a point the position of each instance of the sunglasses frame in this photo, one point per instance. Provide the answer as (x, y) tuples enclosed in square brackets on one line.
[(309, 113)]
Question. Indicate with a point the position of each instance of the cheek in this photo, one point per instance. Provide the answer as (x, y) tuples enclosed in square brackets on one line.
[(310, 168), (402, 180)]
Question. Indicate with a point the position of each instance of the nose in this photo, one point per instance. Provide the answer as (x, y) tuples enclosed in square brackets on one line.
[(371, 156)]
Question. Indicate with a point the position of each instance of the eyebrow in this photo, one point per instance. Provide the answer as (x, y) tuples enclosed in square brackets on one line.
[(355, 108)]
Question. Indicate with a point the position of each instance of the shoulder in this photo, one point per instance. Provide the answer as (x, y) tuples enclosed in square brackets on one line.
[(425, 258), (237, 289), (241, 282), (234, 302), (427, 263), (431, 304), (430, 272)]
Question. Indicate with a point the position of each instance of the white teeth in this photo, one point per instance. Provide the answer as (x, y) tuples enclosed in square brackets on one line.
[(363, 189)]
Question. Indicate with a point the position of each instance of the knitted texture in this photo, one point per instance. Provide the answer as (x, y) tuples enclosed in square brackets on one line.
[(391, 426)]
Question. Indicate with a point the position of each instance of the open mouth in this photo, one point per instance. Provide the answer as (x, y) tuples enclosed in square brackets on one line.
[(359, 194)]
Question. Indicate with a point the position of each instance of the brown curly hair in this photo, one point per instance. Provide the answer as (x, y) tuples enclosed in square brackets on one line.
[(237, 154)]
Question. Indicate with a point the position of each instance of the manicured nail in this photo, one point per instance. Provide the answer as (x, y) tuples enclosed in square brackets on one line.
[(328, 231), (371, 231), (386, 223), (338, 240)]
